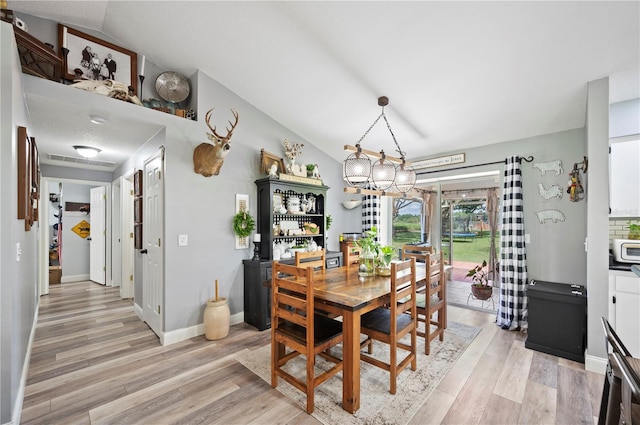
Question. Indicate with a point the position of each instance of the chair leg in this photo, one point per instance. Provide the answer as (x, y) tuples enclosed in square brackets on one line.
[(393, 367), (310, 385)]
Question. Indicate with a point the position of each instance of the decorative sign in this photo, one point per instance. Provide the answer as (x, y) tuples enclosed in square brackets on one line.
[(299, 179), (82, 229), (438, 162)]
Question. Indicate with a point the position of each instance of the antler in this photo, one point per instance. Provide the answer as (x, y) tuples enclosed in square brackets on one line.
[(229, 130)]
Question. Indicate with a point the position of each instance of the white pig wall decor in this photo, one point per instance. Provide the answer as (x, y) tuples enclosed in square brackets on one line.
[(208, 157)]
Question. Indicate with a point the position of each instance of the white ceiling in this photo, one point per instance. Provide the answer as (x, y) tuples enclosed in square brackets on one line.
[(458, 74)]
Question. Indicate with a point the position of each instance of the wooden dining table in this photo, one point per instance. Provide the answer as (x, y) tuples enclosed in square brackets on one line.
[(343, 292)]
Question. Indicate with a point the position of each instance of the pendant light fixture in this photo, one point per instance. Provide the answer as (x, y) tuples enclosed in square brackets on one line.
[(358, 169)]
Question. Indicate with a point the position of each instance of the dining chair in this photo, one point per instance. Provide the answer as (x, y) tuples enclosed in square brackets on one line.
[(390, 325), (431, 294), (611, 392), (432, 301), (315, 259), (415, 251), (296, 330), (630, 394)]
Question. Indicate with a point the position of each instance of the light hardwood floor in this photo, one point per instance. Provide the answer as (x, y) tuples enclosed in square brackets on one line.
[(94, 362)]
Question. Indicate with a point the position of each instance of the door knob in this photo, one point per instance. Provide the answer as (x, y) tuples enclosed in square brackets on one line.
[(143, 251)]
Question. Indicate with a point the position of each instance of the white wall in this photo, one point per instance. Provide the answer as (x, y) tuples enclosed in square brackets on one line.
[(597, 215), (18, 286)]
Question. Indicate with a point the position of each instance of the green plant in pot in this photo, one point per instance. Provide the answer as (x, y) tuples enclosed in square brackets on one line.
[(634, 230), (310, 168), (369, 249), (480, 287), (385, 255)]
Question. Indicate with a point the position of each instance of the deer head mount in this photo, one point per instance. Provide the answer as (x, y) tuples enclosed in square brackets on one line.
[(208, 157)]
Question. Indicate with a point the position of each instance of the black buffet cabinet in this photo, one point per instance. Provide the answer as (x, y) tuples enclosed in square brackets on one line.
[(291, 210), (557, 319), (257, 289)]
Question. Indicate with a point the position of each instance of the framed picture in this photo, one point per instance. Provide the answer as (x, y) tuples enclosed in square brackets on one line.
[(24, 177), (35, 179), (137, 236), (94, 59), (277, 202), (137, 210), (137, 183), (268, 159)]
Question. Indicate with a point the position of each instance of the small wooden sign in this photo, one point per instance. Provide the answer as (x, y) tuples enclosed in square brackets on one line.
[(439, 162)]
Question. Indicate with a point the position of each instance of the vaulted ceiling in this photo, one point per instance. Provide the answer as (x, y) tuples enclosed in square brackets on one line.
[(458, 74)]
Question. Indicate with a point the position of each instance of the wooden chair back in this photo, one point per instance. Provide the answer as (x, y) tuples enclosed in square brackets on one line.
[(315, 259), (432, 301), (296, 330), (415, 251), (390, 325)]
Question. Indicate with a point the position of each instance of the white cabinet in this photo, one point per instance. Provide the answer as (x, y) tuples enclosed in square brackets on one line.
[(624, 308), (624, 178)]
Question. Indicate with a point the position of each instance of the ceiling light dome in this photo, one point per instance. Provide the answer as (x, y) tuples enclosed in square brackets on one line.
[(86, 151)]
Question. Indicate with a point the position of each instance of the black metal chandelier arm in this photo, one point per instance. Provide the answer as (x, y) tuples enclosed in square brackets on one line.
[(372, 125), (400, 152)]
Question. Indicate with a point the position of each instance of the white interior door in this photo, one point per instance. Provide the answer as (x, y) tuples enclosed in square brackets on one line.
[(126, 238), (152, 236), (97, 261)]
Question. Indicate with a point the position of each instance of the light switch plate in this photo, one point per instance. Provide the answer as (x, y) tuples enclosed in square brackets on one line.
[(183, 240), (527, 238)]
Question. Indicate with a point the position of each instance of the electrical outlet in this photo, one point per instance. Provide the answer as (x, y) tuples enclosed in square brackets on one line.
[(183, 240)]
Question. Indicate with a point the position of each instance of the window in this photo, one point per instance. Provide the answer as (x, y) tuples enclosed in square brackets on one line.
[(407, 221)]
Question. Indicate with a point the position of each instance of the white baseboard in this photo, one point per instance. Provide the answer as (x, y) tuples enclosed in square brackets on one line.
[(17, 409), (138, 310), (74, 278), (178, 335), (595, 364)]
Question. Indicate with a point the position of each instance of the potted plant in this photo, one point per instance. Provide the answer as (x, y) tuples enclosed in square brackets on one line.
[(384, 260), (310, 168), (369, 249), (634, 230), (480, 287)]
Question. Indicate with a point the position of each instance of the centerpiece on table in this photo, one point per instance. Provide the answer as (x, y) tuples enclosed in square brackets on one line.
[(368, 252), (385, 255)]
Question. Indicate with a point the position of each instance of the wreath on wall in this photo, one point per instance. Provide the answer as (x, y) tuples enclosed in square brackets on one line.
[(243, 224)]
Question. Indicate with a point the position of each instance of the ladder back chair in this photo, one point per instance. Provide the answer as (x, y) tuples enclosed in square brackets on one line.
[(390, 325), (297, 331), (415, 251), (315, 259), (431, 298)]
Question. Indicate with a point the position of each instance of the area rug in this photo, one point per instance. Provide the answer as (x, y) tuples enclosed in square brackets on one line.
[(377, 405)]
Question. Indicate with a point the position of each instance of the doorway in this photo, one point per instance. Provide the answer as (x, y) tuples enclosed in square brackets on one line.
[(64, 232), (462, 225)]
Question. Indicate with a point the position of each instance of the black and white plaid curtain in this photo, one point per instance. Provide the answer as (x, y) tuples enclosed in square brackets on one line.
[(370, 212), (512, 310)]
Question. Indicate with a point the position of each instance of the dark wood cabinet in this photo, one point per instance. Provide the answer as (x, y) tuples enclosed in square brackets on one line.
[(278, 227), (273, 226)]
